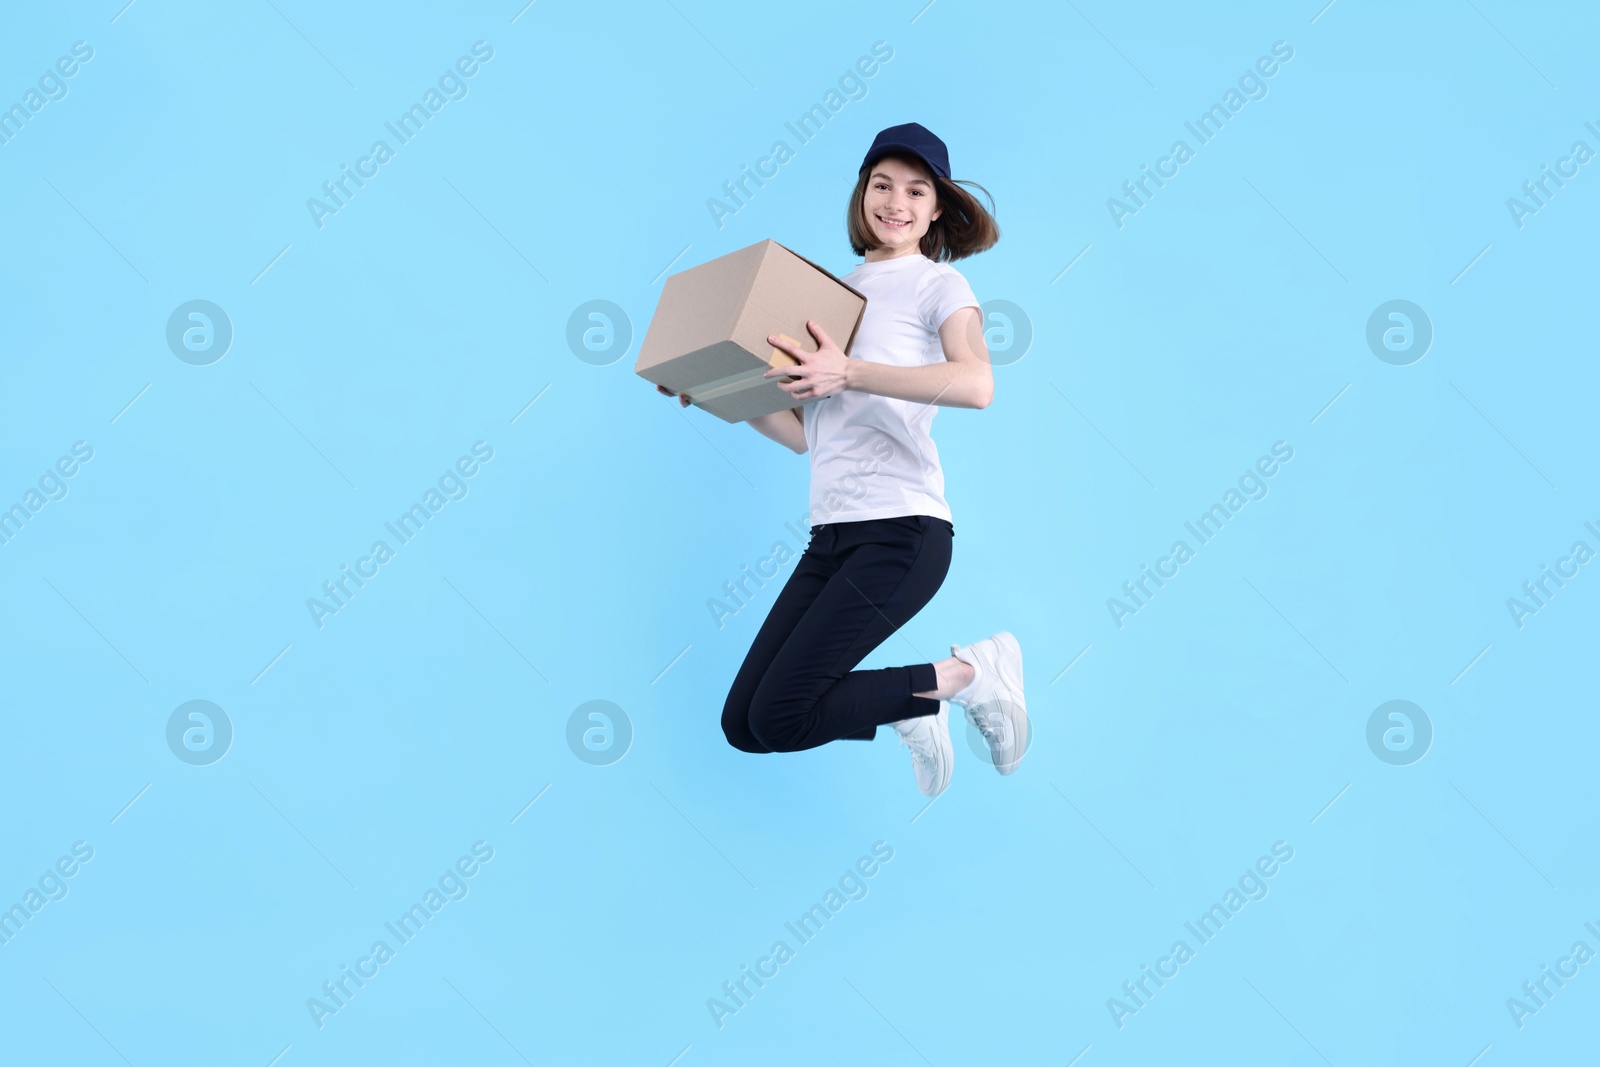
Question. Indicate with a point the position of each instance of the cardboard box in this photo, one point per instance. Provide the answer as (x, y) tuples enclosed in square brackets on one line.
[(708, 337)]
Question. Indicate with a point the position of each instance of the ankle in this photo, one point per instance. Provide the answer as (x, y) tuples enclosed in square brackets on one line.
[(968, 673), (954, 675), (951, 675)]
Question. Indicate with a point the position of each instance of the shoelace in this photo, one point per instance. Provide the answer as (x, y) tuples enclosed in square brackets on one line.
[(993, 729), (922, 751)]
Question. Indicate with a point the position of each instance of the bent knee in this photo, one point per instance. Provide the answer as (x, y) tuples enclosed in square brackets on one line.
[(774, 732), (736, 728)]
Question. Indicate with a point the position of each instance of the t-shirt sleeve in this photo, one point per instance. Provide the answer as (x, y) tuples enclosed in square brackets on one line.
[(945, 291)]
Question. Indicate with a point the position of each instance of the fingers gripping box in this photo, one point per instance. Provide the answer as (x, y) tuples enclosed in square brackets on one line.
[(708, 337)]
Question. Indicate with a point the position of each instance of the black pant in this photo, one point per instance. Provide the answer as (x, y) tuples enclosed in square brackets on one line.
[(855, 584)]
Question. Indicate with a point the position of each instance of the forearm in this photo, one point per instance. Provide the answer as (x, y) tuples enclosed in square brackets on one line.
[(946, 383), (783, 427)]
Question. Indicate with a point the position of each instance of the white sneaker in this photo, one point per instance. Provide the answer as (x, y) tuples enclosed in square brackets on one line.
[(994, 701), (932, 756)]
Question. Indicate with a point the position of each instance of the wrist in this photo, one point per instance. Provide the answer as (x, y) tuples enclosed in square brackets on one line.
[(849, 373)]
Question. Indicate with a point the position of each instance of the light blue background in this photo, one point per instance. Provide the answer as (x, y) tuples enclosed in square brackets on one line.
[(427, 314)]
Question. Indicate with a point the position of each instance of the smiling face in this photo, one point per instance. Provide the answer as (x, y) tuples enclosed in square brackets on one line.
[(897, 206)]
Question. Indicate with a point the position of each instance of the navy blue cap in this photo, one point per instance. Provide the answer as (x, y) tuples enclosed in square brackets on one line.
[(914, 139)]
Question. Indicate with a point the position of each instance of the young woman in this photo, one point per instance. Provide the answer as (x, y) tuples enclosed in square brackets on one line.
[(881, 531)]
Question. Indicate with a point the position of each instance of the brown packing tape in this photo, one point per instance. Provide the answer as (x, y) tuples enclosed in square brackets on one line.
[(780, 358)]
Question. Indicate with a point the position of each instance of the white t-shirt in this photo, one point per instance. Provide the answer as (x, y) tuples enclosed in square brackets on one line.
[(873, 457)]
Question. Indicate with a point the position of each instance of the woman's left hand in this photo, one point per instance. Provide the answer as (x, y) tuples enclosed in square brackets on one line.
[(820, 373)]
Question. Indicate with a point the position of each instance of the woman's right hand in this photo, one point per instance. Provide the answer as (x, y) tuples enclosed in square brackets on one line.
[(683, 401)]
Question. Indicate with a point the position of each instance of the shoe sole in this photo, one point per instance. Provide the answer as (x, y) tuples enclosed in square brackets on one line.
[(1001, 658)]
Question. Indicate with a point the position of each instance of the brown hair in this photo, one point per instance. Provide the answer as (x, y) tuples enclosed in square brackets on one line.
[(962, 229)]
